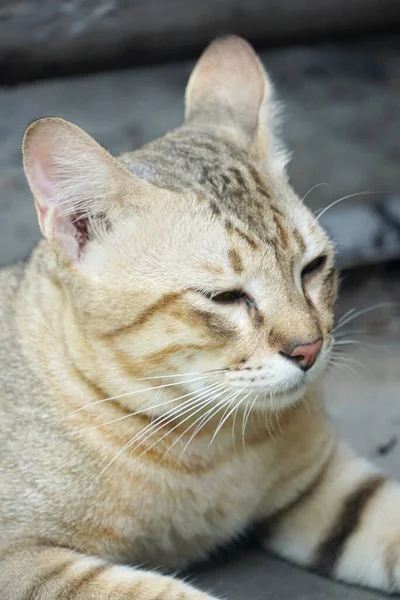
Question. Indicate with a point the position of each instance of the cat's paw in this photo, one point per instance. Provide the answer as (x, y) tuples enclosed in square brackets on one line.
[(156, 587), (186, 592), (192, 595)]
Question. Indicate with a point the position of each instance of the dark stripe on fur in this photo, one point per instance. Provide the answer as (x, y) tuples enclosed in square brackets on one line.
[(160, 305), (35, 591), (270, 526), (73, 588), (348, 520)]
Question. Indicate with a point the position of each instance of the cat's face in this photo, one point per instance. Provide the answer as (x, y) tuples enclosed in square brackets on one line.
[(213, 271)]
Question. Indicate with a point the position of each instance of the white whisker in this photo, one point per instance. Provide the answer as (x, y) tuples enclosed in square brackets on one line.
[(179, 411), (268, 423), (359, 343), (207, 417), (199, 407), (306, 399), (311, 190), (228, 403), (225, 418), (249, 408), (324, 210), (126, 394), (349, 359), (351, 332), (346, 369), (234, 421), (199, 427), (346, 314), (144, 410), (364, 311), (159, 423)]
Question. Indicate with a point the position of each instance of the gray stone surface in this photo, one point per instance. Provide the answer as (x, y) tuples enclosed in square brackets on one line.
[(251, 575), (365, 232), (52, 36), (342, 123)]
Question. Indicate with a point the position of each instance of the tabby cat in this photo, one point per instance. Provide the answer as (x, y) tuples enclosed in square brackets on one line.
[(160, 355)]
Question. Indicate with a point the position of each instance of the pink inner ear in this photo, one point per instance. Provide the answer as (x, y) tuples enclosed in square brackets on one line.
[(71, 233), (41, 214), (68, 230), (43, 170)]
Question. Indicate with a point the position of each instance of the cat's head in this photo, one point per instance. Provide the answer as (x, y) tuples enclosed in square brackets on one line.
[(192, 257)]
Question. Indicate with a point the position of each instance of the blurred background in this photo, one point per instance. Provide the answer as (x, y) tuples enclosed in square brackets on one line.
[(118, 68)]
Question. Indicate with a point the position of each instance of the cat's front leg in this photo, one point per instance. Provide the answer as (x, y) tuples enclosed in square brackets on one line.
[(346, 525), (42, 571)]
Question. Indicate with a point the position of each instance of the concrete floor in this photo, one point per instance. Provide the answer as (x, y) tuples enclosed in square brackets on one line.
[(251, 575), (364, 401)]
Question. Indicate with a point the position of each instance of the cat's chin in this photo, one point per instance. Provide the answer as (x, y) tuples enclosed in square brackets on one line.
[(283, 399), (289, 394), (274, 400)]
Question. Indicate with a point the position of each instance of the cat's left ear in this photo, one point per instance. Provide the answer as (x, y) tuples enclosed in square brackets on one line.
[(230, 90), (76, 184)]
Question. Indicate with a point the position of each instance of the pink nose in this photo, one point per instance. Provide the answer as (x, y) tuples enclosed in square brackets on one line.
[(305, 355)]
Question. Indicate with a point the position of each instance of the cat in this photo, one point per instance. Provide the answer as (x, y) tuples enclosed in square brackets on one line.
[(161, 353)]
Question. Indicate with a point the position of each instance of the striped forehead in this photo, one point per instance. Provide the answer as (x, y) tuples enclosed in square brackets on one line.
[(248, 209), (227, 181)]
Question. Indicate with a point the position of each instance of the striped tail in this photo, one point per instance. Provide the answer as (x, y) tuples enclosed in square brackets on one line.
[(41, 571), (347, 525)]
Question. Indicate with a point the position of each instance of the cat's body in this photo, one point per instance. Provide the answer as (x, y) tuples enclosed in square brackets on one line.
[(190, 523), (142, 317), (196, 504)]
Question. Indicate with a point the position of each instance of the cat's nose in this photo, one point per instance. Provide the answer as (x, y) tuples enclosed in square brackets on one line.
[(304, 355)]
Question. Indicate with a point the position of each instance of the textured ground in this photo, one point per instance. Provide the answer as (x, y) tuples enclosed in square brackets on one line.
[(343, 122), (76, 36)]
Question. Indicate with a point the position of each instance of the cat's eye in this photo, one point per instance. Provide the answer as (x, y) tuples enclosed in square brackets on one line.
[(230, 297), (314, 266)]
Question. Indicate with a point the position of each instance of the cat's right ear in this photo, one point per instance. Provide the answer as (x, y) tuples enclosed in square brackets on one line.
[(230, 91), (74, 182)]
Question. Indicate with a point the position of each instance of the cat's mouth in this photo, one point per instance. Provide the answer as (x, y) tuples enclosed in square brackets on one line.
[(293, 388), (270, 388), (267, 389), (268, 381), (277, 378), (271, 399), (287, 392)]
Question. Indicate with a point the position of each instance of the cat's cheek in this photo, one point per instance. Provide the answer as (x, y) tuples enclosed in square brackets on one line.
[(322, 300)]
